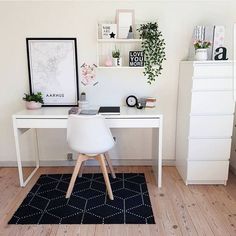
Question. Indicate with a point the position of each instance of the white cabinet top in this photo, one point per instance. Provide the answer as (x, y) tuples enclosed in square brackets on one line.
[(209, 62)]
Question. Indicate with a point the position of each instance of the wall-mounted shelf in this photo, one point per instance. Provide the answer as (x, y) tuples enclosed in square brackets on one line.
[(119, 40), (119, 67), (106, 46)]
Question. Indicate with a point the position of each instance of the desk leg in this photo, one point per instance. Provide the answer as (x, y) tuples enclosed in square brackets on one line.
[(17, 133), (36, 145), (157, 153), (160, 154)]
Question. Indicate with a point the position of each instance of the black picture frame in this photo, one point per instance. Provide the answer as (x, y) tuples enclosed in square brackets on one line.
[(136, 58), (35, 75)]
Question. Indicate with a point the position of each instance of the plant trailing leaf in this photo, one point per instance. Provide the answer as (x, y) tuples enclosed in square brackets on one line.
[(38, 97), (153, 46)]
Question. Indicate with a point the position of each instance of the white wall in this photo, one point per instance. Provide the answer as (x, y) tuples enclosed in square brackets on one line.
[(19, 20)]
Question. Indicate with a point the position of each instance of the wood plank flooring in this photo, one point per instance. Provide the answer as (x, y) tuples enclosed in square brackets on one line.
[(178, 209)]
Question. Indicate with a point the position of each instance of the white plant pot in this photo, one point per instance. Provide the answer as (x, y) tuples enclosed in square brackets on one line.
[(33, 105), (201, 54), (117, 61)]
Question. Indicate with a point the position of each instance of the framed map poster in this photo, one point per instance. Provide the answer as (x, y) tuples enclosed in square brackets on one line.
[(53, 71)]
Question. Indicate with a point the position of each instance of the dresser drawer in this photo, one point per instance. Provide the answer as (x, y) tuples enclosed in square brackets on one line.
[(209, 149), (212, 84), (213, 70), (216, 102), (211, 126), (38, 123), (207, 171), (133, 123)]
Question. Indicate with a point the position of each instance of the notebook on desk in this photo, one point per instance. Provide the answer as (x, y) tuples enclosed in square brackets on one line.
[(109, 110)]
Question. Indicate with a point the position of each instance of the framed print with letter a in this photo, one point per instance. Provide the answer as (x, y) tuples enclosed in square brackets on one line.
[(53, 71)]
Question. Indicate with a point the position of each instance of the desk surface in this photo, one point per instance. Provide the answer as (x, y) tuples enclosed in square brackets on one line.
[(62, 113)]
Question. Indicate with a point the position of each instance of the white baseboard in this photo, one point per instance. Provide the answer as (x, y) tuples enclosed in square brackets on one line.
[(232, 169), (115, 162)]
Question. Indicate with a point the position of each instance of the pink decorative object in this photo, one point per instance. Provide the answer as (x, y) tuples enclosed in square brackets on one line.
[(108, 62), (33, 105), (88, 74)]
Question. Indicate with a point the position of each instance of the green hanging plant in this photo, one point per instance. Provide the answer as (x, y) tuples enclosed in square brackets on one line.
[(153, 46)]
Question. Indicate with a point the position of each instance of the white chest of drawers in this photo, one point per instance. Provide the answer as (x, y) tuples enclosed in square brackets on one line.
[(204, 121)]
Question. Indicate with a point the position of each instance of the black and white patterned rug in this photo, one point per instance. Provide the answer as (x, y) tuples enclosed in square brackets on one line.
[(89, 202)]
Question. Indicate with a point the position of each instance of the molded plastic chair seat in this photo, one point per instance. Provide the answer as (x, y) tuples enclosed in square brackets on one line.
[(91, 138), (89, 134)]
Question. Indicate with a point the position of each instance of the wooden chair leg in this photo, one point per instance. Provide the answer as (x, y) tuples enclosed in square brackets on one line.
[(81, 170), (101, 160), (79, 161), (110, 165)]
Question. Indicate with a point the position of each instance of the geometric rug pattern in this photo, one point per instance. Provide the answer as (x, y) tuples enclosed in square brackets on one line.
[(89, 202)]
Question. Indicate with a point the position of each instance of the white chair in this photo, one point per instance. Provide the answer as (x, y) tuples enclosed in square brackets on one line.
[(91, 138)]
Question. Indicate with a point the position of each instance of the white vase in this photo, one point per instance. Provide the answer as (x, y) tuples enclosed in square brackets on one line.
[(201, 54), (117, 61), (33, 105)]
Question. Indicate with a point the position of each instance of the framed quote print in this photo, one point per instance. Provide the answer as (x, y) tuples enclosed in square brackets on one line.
[(53, 71)]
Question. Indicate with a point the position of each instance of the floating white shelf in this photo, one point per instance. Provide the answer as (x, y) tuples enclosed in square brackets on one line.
[(119, 67), (119, 40), (106, 46)]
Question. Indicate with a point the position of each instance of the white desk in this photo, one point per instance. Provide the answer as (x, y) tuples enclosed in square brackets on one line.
[(56, 117)]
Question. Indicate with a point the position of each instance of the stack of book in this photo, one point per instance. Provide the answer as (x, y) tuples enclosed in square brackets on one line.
[(150, 102)]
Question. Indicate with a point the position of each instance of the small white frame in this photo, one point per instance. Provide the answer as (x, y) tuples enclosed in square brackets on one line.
[(124, 19)]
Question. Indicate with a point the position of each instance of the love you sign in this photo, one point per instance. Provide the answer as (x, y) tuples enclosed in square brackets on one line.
[(136, 58)]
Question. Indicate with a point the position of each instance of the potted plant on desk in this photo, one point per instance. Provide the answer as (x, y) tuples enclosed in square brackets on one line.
[(33, 101), (201, 47), (117, 60)]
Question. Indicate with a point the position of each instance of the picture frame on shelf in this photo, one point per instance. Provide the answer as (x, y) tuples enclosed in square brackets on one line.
[(109, 31), (53, 70), (125, 21), (136, 58), (218, 39)]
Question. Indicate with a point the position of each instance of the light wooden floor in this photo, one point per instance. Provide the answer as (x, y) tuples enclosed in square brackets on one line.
[(178, 209)]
